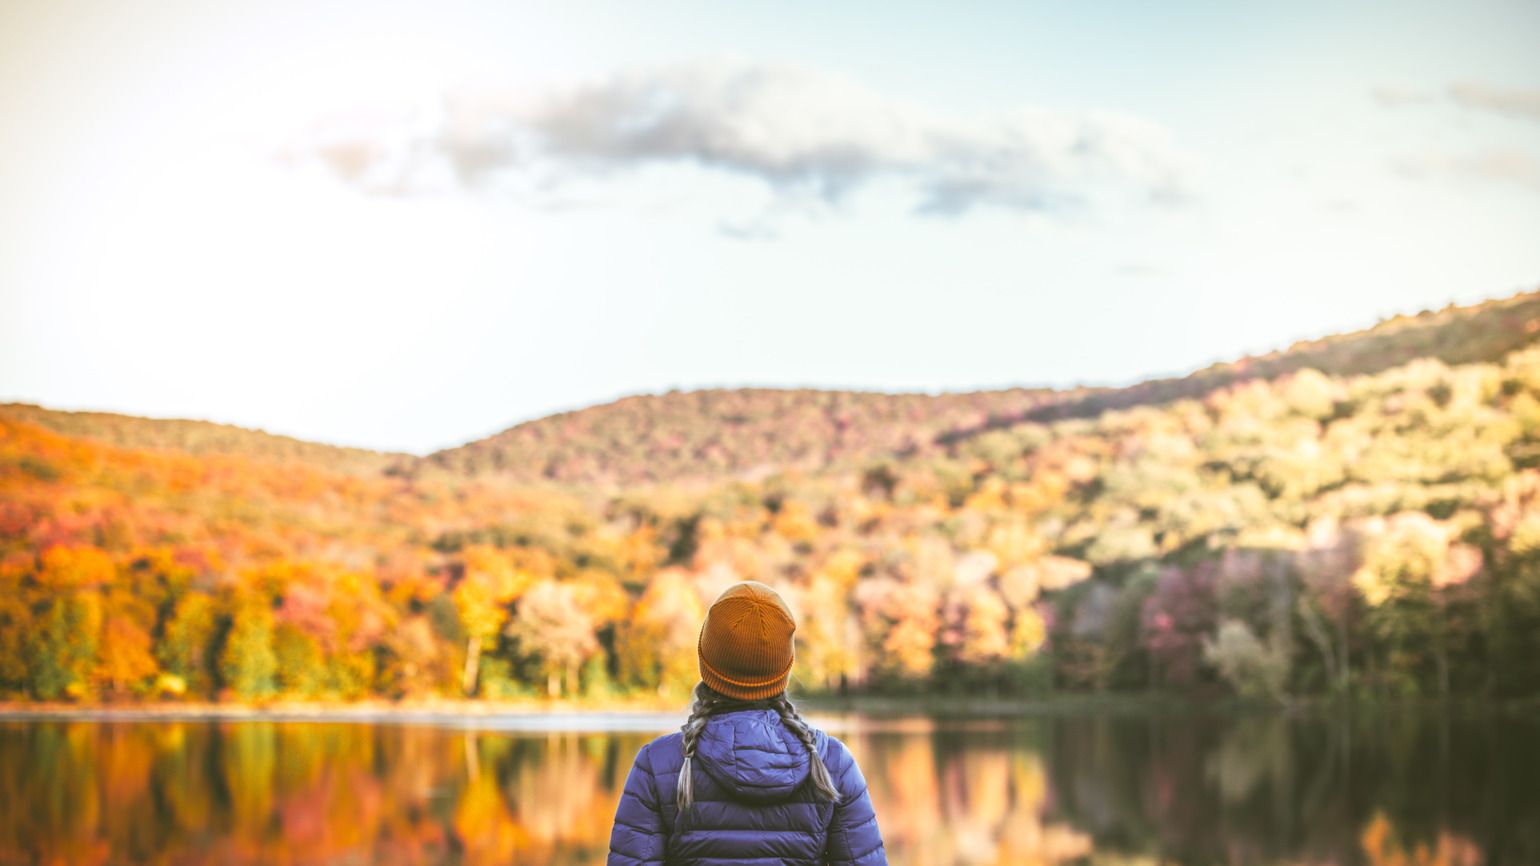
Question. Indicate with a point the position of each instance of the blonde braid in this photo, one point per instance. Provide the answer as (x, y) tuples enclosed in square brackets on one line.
[(823, 785), (708, 702), (693, 727)]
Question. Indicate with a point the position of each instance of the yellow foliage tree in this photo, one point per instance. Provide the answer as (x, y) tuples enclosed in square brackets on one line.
[(488, 584)]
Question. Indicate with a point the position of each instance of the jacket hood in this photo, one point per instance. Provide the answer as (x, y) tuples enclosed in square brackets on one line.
[(752, 754)]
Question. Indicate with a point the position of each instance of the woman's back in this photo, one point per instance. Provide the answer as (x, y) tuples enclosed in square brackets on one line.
[(746, 780), (753, 800)]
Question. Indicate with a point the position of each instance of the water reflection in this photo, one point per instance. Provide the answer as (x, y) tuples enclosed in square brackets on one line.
[(1131, 789)]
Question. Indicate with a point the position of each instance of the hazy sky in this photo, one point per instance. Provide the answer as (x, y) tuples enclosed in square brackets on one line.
[(406, 226)]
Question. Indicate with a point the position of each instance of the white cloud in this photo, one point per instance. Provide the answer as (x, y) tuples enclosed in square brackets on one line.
[(1395, 97), (1499, 154), (1513, 102), (812, 137), (1506, 166)]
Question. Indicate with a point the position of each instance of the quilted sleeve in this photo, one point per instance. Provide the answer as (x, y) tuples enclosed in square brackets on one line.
[(853, 836), (638, 837)]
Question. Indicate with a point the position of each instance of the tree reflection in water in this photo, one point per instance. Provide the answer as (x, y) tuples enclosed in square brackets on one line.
[(1126, 789)]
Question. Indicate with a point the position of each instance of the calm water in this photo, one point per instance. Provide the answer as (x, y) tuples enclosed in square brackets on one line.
[(1090, 789)]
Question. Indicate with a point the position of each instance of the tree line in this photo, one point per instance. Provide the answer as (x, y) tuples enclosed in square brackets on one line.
[(1374, 534)]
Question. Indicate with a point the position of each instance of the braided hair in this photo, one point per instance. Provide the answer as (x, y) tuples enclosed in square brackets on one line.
[(710, 702)]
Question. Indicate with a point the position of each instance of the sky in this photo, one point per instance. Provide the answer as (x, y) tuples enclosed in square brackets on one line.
[(406, 226)]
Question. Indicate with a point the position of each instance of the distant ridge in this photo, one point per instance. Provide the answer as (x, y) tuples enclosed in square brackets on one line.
[(741, 432), (1453, 335), (198, 438), (745, 433)]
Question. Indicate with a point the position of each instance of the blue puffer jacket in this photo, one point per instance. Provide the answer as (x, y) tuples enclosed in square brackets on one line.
[(751, 803)]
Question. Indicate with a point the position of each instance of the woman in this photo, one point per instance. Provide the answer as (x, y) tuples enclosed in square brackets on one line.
[(746, 779)]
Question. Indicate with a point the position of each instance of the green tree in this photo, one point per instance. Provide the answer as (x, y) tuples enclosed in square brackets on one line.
[(63, 650), (15, 632), (186, 646), (247, 664), (1410, 567), (1253, 669), (301, 670)]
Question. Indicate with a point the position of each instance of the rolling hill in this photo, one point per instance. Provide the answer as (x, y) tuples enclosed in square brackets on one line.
[(747, 433), (1354, 515), (199, 438), (711, 434)]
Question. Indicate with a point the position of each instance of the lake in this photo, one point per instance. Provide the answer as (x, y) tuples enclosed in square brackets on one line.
[(1112, 788)]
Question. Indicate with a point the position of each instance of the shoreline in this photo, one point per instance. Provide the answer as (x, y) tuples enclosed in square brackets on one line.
[(655, 715), (513, 717)]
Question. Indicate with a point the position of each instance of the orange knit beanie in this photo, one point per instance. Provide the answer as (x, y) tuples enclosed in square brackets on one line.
[(745, 643)]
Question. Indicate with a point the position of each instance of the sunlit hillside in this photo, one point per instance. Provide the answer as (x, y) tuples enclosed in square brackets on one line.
[(197, 438), (716, 434), (1356, 515), (713, 433)]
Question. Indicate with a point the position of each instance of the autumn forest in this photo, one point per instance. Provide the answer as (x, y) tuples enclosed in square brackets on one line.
[(1354, 517)]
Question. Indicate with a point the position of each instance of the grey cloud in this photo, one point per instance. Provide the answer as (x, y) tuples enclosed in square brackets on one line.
[(811, 137), (748, 230)]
